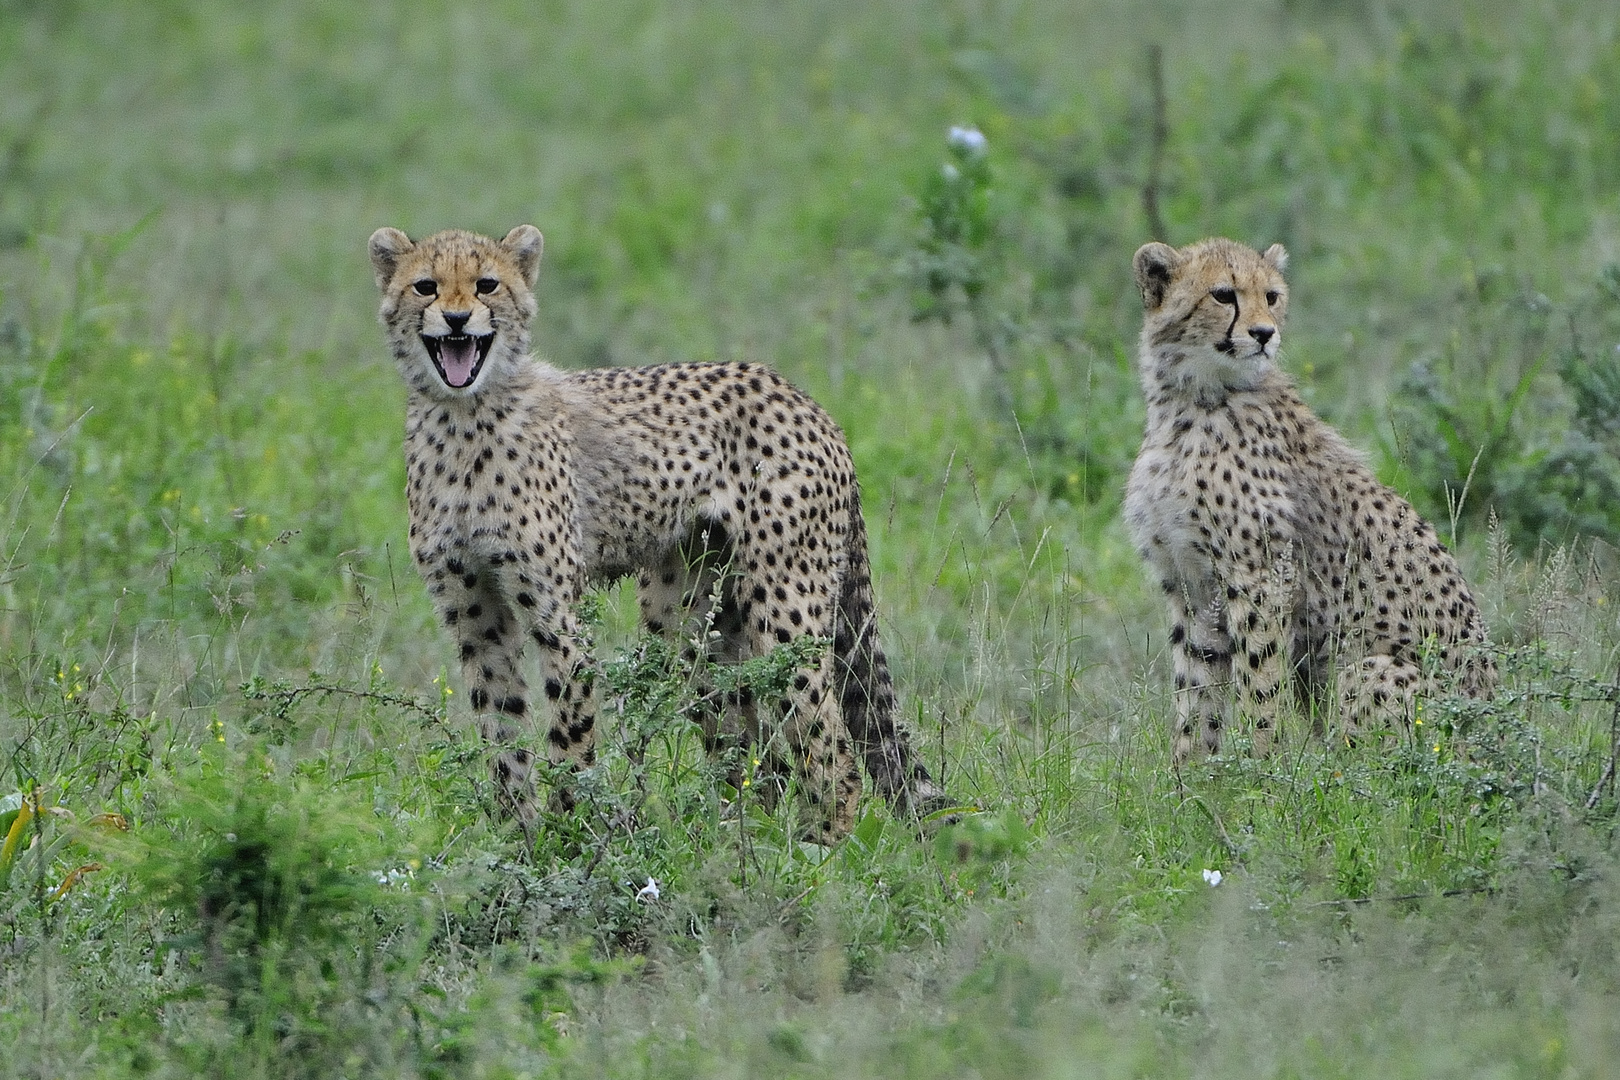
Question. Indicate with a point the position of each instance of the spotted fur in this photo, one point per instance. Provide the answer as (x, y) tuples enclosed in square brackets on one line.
[(707, 481), (1278, 550)]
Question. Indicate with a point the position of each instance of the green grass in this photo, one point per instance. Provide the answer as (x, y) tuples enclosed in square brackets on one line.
[(207, 625)]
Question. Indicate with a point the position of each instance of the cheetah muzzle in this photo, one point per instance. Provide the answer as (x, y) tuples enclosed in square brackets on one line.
[(729, 493), (458, 357)]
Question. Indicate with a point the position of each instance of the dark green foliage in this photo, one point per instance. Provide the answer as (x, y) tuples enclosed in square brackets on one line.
[(1539, 448)]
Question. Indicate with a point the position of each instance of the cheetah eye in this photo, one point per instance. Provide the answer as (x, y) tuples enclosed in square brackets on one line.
[(1224, 294), (487, 285), (426, 287), (1272, 296)]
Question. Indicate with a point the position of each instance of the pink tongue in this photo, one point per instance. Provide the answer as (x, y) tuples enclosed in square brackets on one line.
[(458, 358)]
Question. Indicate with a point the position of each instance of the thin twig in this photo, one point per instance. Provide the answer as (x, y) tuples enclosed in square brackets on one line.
[(21, 146), (290, 696), (787, 905), (1604, 781), (1159, 138), (988, 335), (1442, 894), (1607, 779), (1232, 849)]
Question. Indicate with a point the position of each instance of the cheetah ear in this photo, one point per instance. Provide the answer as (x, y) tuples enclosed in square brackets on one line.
[(525, 243), (387, 245), (1154, 264), (1277, 256)]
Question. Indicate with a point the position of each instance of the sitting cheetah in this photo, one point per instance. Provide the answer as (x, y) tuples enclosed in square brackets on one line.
[(707, 480), (1275, 545)]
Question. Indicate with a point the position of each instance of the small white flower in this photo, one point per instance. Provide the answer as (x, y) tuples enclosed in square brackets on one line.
[(1213, 877), (649, 891), (970, 139)]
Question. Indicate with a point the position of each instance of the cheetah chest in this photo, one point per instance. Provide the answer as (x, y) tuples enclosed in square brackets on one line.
[(485, 487), (1209, 489)]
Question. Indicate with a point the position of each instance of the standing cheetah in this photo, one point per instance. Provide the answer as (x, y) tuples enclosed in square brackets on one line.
[(1276, 547), (706, 480)]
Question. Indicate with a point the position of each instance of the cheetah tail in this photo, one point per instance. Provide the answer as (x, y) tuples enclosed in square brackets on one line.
[(866, 691)]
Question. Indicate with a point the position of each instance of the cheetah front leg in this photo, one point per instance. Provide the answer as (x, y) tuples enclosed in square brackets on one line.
[(1257, 669), (490, 643), (1258, 612), (569, 678), (1202, 651)]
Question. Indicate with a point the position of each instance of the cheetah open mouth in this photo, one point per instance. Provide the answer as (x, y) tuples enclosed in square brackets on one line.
[(459, 357)]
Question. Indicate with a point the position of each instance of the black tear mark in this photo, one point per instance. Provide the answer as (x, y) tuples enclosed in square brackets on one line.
[(1227, 345)]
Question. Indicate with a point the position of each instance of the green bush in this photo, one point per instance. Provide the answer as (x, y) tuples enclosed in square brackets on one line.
[(1517, 420)]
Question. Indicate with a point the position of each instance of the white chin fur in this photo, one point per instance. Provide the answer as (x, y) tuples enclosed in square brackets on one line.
[(1214, 370)]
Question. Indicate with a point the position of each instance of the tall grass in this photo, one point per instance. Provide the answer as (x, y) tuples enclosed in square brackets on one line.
[(208, 626)]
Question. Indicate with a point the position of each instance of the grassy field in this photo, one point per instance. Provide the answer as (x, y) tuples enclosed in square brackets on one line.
[(209, 632)]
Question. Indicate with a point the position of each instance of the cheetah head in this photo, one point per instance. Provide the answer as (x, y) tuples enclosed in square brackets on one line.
[(456, 305), (1214, 313)]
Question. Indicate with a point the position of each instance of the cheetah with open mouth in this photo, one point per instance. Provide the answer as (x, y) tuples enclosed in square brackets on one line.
[(713, 483)]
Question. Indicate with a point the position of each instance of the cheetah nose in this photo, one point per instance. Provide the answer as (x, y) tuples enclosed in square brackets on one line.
[(458, 320), (1262, 334)]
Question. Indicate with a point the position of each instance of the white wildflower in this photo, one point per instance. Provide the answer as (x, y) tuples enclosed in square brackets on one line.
[(1213, 877), (649, 891), (951, 172), (970, 139)]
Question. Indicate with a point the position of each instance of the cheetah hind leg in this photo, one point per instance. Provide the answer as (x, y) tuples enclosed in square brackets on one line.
[(689, 598), (1375, 693), (678, 598)]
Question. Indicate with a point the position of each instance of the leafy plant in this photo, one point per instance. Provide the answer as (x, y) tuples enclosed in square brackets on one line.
[(957, 262), (264, 866), (37, 843), (1535, 441)]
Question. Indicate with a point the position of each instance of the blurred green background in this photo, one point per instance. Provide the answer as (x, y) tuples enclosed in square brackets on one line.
[(209, 626)]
